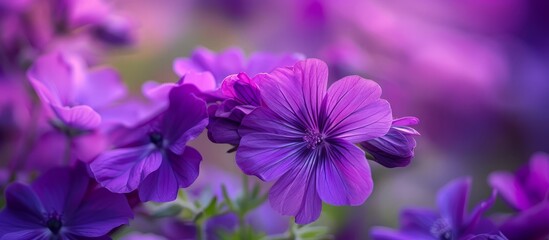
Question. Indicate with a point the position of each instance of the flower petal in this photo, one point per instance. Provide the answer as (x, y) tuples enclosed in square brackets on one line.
[(62, 189), (204, 81), (383, 233), (297, 93), (354, 110), (452, 200), (344, 177), (185, 118), (23, 212), (528, 224), (82, 117), (295, 192), (264, 120), (122, 170), (174, 173), (99, 213), (52, 77), (475, 216), (416, 219), (510, 188), (28, 234), (268, 155), (100, 88)]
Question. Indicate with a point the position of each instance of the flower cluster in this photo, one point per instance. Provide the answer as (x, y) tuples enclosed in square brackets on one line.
[(84, 157), (527, 191)]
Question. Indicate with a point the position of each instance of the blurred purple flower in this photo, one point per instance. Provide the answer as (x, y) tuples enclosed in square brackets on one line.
[(207, 69), (528, 192), (242, 97), (304, 135), (62, 204), (74, 96), (450, 222), (153, 157), (396, 148)]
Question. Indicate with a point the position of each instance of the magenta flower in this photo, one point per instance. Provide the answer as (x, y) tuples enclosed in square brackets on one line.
[(450, 222), (304, 135), (62, 204), (153, 157), (396, 148), (242, 97), (528, 192)]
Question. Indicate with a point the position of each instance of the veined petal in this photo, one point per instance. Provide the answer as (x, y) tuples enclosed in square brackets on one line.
[(295, 192), (268, 155), (297, 93), (344, 177), (185, 119), (99, 213), (178, 171), (264, 120), (354, 110), (122, 170)]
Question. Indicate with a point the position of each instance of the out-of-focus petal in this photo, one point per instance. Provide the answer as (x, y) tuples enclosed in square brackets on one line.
[(452, 200), (99, 213), (510, 188), (23, 212), (81, 117), (528, 224)]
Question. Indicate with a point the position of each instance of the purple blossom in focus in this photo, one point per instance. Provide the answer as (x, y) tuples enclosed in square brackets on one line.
[(396, 148), (304, 136), (451, 221), (62, 204), (527, 191), (153, 158)]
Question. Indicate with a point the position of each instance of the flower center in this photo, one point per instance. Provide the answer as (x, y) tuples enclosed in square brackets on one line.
[(441, 229), (313, 139), (156, 139), (54, 223)]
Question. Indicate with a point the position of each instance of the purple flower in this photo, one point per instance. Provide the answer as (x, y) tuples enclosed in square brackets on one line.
[(62, 204), (528, 192), (153, 157), (396, 148), (74, 96), (242, 97), (450, 222), (206, 69), (304, 135)]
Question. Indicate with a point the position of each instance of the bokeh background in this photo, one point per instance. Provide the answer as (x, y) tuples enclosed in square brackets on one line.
[(476, 73)]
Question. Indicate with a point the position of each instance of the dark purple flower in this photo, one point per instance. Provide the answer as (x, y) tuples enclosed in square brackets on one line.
[(304, 135), (62, 204), (153, 157), (396, 148), (452, 221), (528, 192), (242, 97)]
